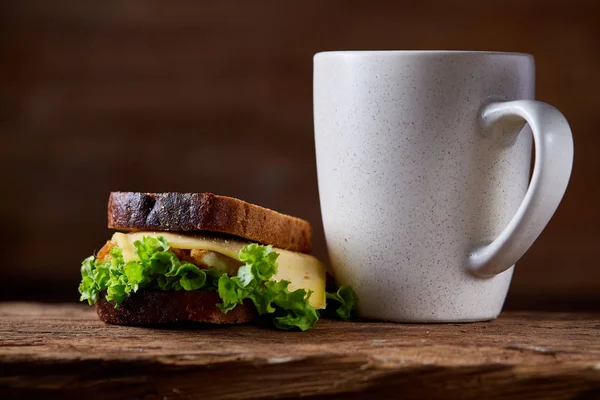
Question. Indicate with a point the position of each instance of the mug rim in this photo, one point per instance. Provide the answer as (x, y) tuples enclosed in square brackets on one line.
[(418, 52)]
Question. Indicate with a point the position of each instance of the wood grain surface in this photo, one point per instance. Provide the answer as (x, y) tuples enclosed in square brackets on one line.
[(63, 351)]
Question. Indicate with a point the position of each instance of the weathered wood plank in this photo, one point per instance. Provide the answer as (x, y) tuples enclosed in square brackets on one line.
[(64, 351)]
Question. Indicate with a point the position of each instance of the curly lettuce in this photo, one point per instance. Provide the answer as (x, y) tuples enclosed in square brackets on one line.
[(289, 310), (158, 268), (342, 304)]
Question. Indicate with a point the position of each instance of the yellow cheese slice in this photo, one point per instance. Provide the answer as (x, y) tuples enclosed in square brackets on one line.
[(303, 271)]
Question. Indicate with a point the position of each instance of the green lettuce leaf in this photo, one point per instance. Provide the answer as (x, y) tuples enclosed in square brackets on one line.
[(342, 304), (288, 310), (157, 268), (292, 308), (94, 279)]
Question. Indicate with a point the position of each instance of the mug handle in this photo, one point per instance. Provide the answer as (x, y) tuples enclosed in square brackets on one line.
[(552, 169)]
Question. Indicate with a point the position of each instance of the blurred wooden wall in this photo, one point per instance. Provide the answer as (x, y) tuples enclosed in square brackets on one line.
[(216, 96)]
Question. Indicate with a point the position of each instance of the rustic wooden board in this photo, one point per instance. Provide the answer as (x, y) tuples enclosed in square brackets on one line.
[(63, 351)]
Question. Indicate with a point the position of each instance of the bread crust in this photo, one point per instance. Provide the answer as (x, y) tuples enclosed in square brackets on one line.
[(149, 307), (190, 212)]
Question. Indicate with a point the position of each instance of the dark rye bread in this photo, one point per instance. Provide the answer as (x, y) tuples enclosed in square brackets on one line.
[(148, 307), (188, 212)]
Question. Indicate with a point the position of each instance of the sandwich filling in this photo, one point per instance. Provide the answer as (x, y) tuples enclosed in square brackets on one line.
[(302, 271), (288, 285)]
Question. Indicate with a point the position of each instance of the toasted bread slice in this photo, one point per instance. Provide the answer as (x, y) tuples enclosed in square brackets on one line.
[(188, 212), (148, 307)]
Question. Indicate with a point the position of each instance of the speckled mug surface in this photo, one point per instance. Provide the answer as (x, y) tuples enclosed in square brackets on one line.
[(423, 162)]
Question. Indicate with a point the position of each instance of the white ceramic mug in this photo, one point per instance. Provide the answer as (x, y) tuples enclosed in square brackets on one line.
[(423, 162)]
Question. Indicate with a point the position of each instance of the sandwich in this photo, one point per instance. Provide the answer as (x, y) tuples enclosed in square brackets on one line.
[(207, 258)]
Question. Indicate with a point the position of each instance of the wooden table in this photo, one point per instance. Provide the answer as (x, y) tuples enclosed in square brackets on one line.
[(63, 351)]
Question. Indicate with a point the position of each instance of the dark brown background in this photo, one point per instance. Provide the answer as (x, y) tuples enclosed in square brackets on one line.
[(216, 96)]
